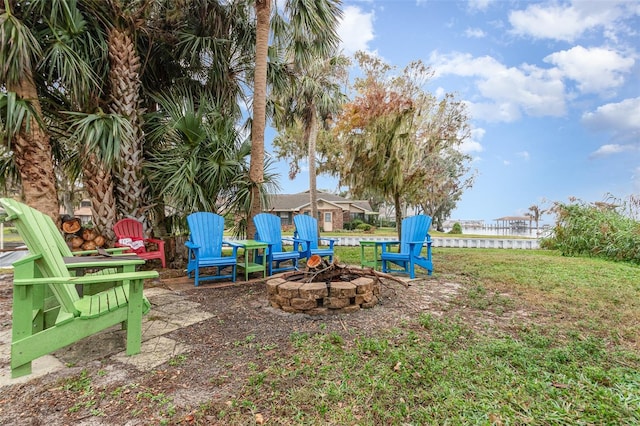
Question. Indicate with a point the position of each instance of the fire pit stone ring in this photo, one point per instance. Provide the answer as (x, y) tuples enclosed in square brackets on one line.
[(291, 293)]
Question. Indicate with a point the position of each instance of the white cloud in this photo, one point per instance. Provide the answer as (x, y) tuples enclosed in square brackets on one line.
[(472, 144), (595, 69), (567, 22), (507, 92), (612, 149), (469, 146), (464, 64), (356, 29), (622, 121), (621, 118), (480, 4), (474, 33), (494, 112), (524, 155)]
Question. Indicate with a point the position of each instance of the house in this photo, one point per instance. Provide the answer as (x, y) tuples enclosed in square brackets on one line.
[(333, 210), (83, 212)]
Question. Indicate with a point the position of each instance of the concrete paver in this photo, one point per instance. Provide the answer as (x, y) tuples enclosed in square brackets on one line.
[(169, 311)]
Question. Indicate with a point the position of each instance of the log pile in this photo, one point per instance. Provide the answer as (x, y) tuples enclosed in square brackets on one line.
[(80, 237), (319, 269)]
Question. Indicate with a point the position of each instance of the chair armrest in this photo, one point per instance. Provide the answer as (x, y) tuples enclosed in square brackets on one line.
[(305, 243), (99, 262), (191, 245), (88, 279), (331, 241), (115, 250), (154, 240)]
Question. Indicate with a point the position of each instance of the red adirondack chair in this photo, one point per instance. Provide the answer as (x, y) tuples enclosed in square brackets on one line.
[(129, 233)]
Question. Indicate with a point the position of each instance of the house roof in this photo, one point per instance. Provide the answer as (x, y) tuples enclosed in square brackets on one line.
[(80, 211), (295, 202), (514, 218)]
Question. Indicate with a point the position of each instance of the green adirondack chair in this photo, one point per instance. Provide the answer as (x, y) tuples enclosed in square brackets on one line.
[(76, 261), (48, 311)]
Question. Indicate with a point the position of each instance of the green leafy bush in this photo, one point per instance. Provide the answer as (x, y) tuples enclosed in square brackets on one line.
[(456, 229), (363, 227), (599, 230), (350, 226)]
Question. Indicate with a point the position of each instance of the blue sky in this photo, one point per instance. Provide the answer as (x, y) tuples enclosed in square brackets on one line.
[(553, 89)]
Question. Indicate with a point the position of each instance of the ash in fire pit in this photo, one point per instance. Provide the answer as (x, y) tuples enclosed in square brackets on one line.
[(324, 289)]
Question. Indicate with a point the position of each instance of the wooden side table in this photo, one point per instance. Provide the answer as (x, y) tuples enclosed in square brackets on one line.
[(250, 251)]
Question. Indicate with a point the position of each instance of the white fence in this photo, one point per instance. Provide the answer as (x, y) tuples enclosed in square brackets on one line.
[(504, 243)]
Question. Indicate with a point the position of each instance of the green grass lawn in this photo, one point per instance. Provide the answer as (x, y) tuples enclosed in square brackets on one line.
[(573, 357)]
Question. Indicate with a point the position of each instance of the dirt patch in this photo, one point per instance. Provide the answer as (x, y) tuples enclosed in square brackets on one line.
[(243, 334)]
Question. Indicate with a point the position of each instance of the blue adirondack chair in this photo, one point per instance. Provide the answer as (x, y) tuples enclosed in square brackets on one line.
[(269, 230), (205, 247), (414, 236), (307, 231)]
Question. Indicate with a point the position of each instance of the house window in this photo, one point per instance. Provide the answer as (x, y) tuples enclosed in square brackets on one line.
[(327, 217), (285, 218)]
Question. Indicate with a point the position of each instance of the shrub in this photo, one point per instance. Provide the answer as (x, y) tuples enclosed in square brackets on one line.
[(599, 230), (456, 229), (363, 227), (350, 226)]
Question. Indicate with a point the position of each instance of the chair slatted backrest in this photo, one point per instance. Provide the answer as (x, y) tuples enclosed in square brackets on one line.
[(35, 228), (62, 245), (207, 231), (128, 228), (307, 229), (269, 230), (414, 229)]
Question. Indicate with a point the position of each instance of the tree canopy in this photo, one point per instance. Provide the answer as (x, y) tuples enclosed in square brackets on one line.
[(399, 141)]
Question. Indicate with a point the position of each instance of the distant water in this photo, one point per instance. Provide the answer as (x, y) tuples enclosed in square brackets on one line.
[(527, 233)]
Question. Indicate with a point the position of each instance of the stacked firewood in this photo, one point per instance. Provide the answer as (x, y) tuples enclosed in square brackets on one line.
[(81, 237)]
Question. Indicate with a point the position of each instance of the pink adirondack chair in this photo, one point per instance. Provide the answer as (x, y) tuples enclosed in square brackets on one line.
[(129, 233)]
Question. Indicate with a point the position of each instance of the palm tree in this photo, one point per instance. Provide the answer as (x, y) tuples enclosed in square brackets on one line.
[(312, 33), (535, 213), (98, 138), (259, 120), (313, 98), (20, 56), (125, 91), (67, 52), (200, 163)]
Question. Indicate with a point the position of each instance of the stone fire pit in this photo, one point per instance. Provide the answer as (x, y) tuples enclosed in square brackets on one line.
[(294, 293)]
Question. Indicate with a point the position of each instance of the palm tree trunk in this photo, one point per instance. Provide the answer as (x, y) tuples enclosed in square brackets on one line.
[(256, 166), (98, 182), (125, 85), (312, 136), (33, 157)]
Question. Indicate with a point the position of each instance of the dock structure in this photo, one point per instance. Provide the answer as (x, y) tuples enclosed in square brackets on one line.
[(518, 223)]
